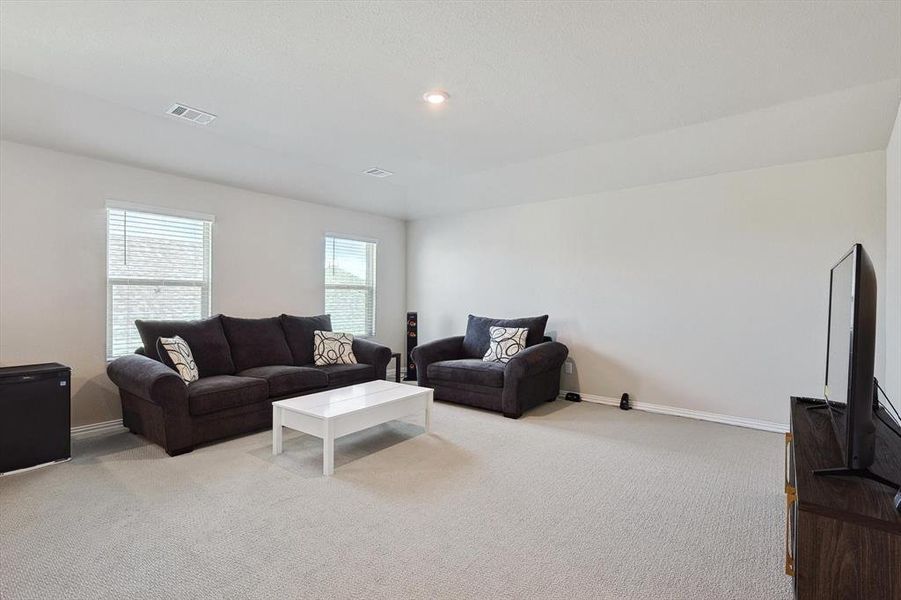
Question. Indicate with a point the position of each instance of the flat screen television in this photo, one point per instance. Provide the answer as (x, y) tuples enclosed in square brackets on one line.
[(850, 355)]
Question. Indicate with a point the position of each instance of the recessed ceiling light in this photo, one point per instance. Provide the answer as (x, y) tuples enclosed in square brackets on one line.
[(436, 97)]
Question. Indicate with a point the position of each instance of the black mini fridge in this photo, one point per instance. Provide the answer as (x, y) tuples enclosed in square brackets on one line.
[(34, 416)]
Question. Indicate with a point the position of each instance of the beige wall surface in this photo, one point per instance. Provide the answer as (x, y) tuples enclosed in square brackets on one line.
[(707, 294), (267, 259), (893, 264)]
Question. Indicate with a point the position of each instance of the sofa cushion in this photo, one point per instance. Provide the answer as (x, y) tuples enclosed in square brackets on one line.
[(286, 380), (211, 394), (299, 334), (478, 335), (468, 370), (256, 342), (339, 375), (205, 337)]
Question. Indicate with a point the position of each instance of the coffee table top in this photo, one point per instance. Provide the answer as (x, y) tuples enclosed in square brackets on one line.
[(352, 398)]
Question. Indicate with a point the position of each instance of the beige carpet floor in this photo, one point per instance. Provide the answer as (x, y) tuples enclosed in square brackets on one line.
[(571, 501)]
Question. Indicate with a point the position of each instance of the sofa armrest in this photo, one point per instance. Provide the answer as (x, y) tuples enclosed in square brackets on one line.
[(148, 379), (532, 377), (371, 353), (444, 349), (540, 358)]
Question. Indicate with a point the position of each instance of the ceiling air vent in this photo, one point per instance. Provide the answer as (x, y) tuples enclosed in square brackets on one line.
[(377, 172), (191, 114)]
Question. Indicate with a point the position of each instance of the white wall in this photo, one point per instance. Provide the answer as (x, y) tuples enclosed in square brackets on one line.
[(267, 259), (707, 294), (893, 264)]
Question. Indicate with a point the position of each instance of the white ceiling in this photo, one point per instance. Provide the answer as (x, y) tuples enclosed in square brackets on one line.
[(547, 99)]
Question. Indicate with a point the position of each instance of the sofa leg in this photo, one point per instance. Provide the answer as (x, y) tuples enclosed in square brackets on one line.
[(184, 450), (512, 415)]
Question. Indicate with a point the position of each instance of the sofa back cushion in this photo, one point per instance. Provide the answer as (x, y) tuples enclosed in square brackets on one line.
[(299, 333), (256, 342), (205, 337), (478, 332)]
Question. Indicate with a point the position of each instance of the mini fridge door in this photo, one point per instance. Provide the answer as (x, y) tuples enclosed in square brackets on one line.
[(34, 416)]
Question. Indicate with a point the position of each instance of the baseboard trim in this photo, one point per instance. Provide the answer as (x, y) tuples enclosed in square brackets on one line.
[(95, 429), (116, 426), (688, 413)]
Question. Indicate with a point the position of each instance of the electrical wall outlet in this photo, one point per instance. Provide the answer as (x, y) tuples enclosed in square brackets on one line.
[(568, 367)]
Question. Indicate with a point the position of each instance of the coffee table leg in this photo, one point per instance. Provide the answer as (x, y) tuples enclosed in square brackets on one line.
[(328, 449), (428, 411), (276, 430)]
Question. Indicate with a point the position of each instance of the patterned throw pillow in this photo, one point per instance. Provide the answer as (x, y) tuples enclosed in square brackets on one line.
[(505, 343), (333, 348), (180, 354)]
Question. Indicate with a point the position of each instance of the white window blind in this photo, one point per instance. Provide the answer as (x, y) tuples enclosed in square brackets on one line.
[(158, 267), (350, 285)]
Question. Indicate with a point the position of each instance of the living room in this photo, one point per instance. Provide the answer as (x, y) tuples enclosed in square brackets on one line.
[(449, 300)]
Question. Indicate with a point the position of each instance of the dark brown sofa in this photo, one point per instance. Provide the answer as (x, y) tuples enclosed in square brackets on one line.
[(244, 365), (455, 369)]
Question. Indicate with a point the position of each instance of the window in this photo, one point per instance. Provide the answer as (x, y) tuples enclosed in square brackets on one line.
[(350, 285), (158, 267)]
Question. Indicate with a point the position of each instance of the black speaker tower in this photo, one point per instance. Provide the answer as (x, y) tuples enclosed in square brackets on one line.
[(412, 340)]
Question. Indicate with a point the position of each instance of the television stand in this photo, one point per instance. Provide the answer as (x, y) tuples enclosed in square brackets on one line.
[(863, 473), (823, 405), (842, 534)]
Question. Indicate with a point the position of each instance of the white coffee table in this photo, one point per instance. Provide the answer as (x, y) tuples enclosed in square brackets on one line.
[(333, 413)]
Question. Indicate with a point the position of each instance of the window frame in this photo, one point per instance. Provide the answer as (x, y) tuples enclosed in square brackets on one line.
[(375, 269), (206, 285)]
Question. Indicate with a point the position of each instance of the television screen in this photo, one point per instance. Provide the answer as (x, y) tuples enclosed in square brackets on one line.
[(850, 354), (841, 328)]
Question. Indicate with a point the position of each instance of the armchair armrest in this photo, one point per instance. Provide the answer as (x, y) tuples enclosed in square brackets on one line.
[(371, 353), (444, 349), (532, 377), (148, 379), (546, 356)]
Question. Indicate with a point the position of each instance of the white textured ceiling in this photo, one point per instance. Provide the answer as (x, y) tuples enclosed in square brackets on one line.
[(547, 99)]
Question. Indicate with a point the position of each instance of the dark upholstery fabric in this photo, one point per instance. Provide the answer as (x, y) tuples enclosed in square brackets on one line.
[(256, 342), (480, 397), (170, 427), (234, 421), (299, 334), (286, 380), (147, 378), (205, 337), (521, 395), (475, 342), (546, 356), (468, 370), (220, 392), (533, 377), (370, 353), (156, 403), (530, 378), (444, 349), (339, 375)]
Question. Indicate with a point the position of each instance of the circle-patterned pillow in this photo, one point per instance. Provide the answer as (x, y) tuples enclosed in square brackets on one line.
[(333, 348), (505, 343), (180, 354)]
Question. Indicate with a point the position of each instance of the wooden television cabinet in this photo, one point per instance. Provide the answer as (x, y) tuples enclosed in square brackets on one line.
[(842, 534)]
